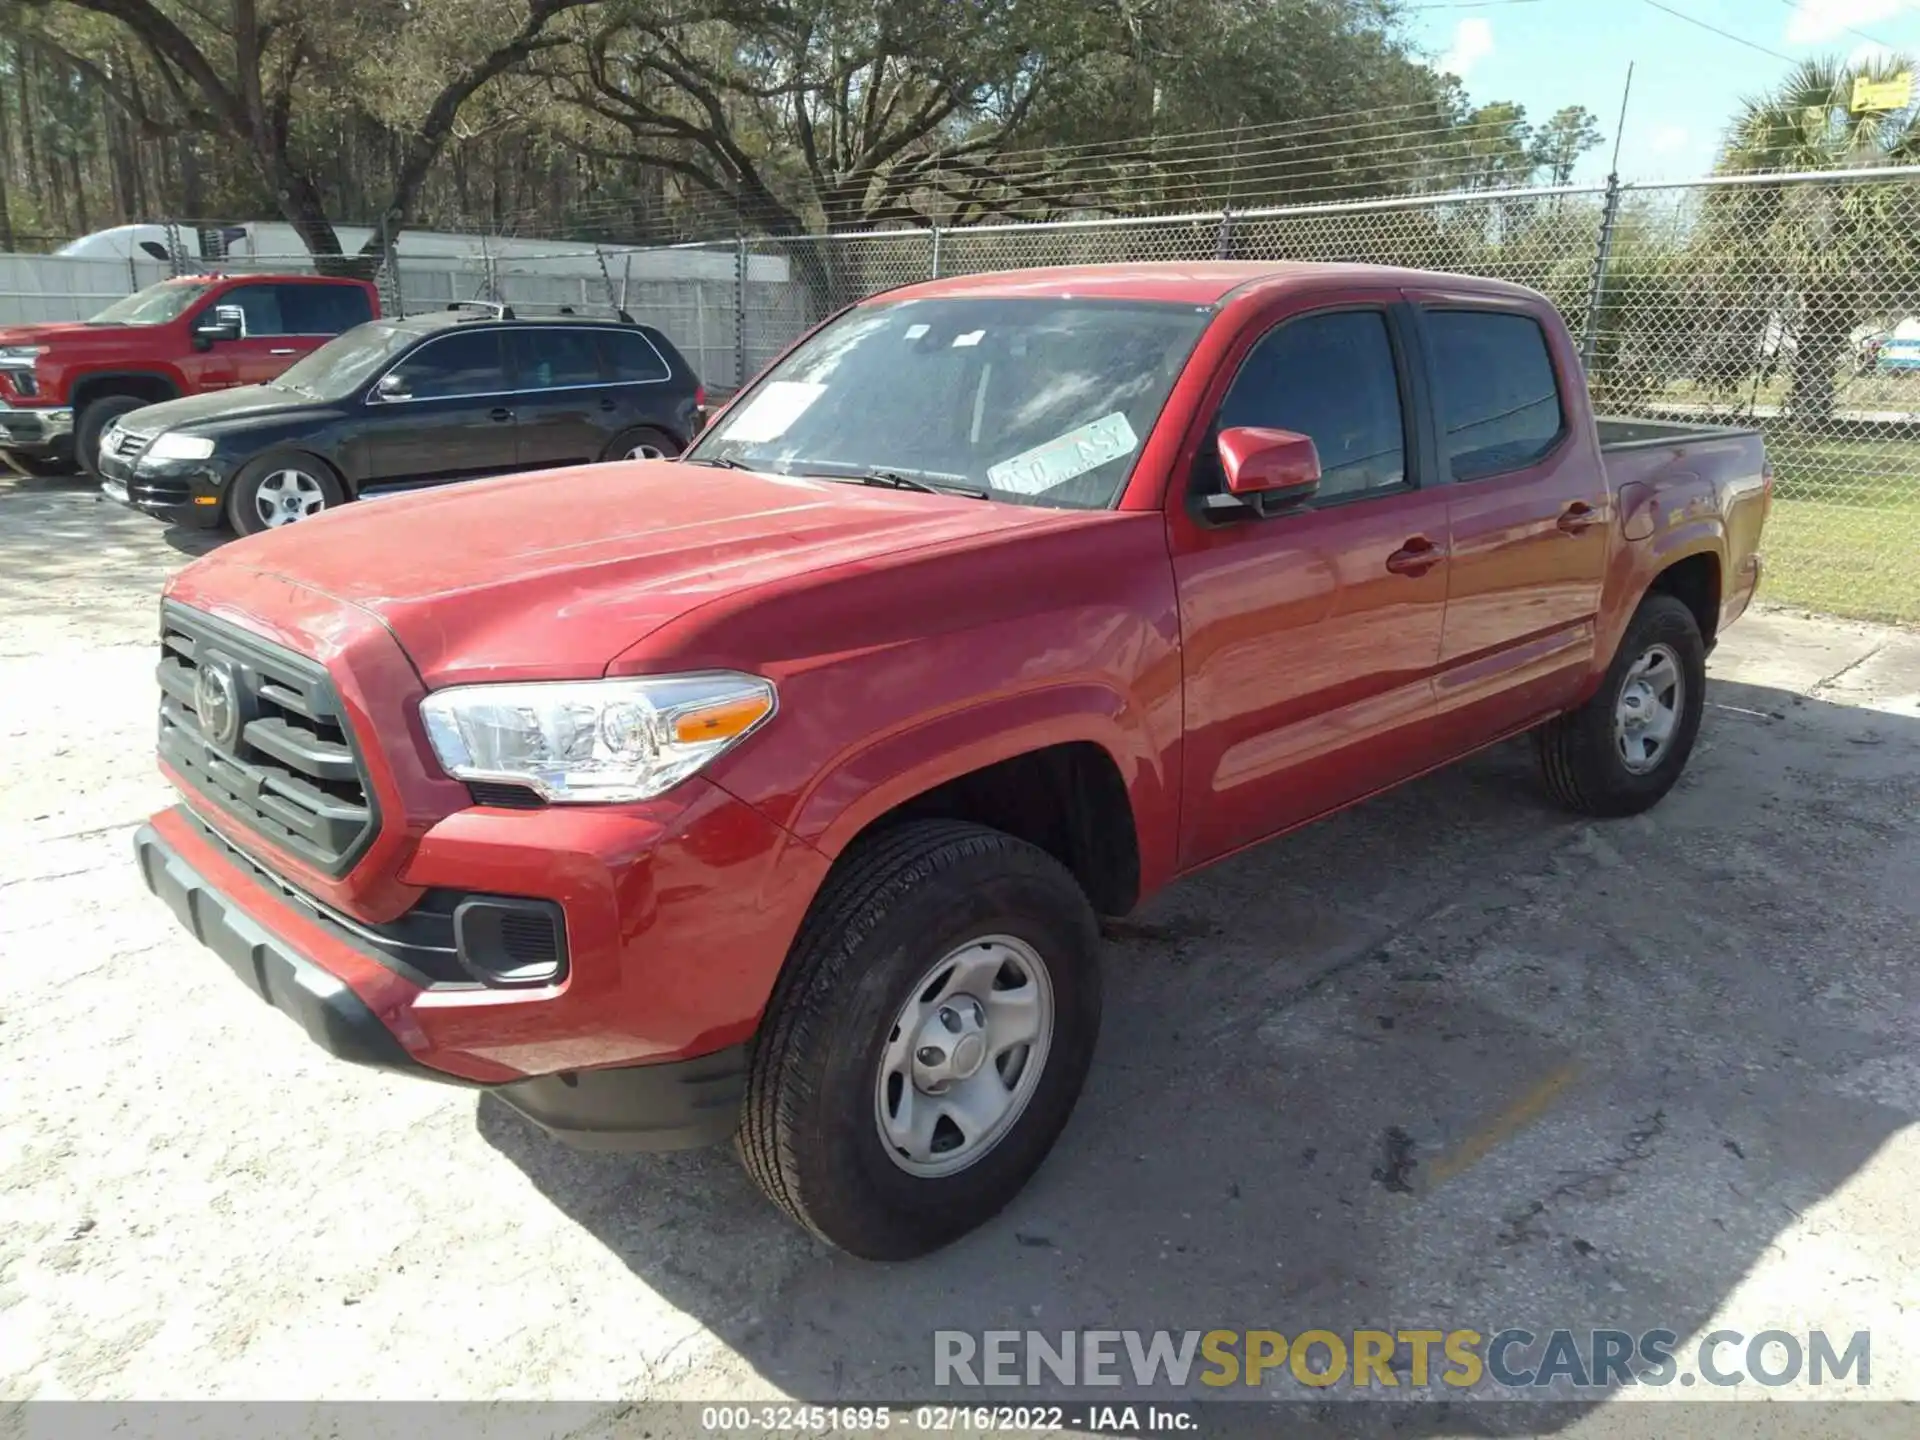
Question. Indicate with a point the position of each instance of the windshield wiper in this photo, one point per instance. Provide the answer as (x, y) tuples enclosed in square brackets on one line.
[(894, 480), (718, 462)]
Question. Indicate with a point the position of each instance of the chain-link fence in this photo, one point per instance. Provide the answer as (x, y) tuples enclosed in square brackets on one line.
[(1787, 302), (1791, 302)]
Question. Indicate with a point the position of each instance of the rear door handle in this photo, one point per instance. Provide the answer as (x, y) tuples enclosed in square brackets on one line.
[(607, 402), (1578, 517), (289, 350), (500, 412), (1416, 557)]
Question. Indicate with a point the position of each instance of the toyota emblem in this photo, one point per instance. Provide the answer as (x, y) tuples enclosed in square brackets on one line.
[(216, 701)]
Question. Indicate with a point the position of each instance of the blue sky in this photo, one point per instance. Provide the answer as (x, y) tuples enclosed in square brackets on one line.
[(1687, 81)]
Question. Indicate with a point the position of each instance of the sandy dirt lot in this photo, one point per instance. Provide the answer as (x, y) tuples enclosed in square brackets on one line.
[(1450, 1059)]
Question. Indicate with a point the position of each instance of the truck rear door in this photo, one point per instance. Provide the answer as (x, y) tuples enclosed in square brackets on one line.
[(1530, 512), (1310, 638)]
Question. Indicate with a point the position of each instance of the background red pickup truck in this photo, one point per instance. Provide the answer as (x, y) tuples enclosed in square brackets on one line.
[(61, 385), (773, 792)]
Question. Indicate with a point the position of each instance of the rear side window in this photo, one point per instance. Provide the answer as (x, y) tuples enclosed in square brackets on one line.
[(555, 359), (454, 365), (1332, 378), (323, 309), (1499, 398), (632, 357)]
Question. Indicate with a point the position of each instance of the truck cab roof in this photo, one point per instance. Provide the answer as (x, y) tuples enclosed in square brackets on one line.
[(1198, 282)]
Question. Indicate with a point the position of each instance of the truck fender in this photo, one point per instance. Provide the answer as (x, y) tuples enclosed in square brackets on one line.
[(1639, 563), (884, 771), (91, 381)]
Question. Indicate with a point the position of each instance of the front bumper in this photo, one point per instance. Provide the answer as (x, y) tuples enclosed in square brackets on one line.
[(183, 492), (40, 431), (667, 1106)]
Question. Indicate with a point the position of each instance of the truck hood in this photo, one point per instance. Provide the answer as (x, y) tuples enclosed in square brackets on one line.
[(552, 575), (55, 332)]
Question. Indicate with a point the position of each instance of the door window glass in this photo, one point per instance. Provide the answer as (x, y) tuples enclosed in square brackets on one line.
[(452, 365), (555, 359), (1332, 378), (1499, 399)]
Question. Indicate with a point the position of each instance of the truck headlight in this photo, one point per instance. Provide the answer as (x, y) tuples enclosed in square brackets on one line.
[(581, 741), (180, 447), (21, 354)]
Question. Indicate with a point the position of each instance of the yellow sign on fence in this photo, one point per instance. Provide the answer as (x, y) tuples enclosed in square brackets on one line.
[(1895, 93)]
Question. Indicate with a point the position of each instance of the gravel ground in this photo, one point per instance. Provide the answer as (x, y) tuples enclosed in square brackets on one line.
[(1449, 1059)]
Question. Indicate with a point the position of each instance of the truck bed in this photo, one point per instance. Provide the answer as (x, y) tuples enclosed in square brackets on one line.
[(1621, 432)]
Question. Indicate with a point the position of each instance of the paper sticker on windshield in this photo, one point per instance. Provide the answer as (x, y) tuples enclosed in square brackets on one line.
[(914, 332), (972, 337), (1072, 455), (778, 404)]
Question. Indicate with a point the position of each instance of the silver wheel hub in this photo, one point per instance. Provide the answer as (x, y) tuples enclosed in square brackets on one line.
[(646, 452), (1647, 715), (286, 496), (964, 1056)]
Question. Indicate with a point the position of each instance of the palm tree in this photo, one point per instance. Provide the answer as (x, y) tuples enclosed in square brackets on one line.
[(1820, 256)]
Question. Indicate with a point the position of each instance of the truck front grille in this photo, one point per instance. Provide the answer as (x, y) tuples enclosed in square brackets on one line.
[(259, 732)]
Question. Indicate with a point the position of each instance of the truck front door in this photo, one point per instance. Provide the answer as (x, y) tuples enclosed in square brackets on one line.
[(1311, 638)]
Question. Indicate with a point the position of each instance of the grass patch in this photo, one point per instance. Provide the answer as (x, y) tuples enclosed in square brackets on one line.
[(1856, 561)]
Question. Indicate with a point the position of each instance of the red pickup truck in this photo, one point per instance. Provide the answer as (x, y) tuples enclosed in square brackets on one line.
[(61, 385), (772, 793)]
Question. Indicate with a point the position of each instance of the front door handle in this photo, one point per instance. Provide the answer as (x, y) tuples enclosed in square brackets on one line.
[(1578, 517), (1416, 557), (289, 350), (500, 412), (607, 402)]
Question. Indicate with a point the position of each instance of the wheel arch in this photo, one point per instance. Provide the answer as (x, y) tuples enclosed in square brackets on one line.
[(152, 386), (1067, 794)]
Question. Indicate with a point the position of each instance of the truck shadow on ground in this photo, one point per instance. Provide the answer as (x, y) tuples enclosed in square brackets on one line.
[(1449, 1060)]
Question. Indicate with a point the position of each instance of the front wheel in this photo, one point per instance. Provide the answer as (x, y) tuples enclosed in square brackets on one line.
[(927, 1040), (643, 442), (91, 428), (1622, 751), (278, 490)]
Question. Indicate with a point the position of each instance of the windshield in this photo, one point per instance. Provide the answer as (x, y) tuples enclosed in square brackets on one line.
[(344, 363), (154, 305), (1043, 401)]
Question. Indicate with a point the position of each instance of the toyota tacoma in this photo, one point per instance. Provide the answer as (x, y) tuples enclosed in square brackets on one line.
[(771, 794)]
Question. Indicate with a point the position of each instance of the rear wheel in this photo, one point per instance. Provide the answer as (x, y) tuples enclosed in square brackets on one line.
[(92, 424), (643, 442), (927, 1040), (281, 489), (1623, 750)]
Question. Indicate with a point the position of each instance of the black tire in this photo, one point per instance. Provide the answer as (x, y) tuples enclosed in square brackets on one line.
[(92, 424), (639, 437), (1581, 756), (895, 905), (244, 512)]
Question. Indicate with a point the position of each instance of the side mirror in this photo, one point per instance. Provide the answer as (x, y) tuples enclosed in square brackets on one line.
[(1267, 470), (223, 322), (389, 387)]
